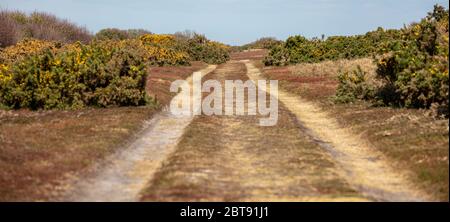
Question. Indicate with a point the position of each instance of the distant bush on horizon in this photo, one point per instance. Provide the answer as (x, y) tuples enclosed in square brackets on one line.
[(172, 49), (298, 49), (17, 25), (119, 34), (201, 48), (262, 43)]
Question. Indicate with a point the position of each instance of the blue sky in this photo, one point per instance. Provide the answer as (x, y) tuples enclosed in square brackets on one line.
[(236, 21)]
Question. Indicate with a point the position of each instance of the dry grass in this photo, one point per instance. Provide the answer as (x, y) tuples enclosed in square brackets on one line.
[(317, 80), (410, 138), (40, 151), (331, 68)]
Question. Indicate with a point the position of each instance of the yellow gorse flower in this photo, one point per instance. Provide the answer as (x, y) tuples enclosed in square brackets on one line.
[(25, 47), (166, 40), (5, 76)]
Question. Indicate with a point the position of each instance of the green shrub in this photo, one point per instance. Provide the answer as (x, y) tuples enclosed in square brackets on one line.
[(111, 34), (199, 48), (298, 49), (101, 74), (354, 86), (414, 73), (418, 67)]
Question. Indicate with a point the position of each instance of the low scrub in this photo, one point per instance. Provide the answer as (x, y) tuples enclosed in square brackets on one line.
[(101, 74), (354, 85), (415, 72), (24, 48), (298, 49), (164, 50), (199, 48)]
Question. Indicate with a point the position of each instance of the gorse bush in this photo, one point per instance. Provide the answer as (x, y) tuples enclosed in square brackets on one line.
[(102, 74), (418, 66), (48, 63), (414, 73), (48, 74), (164, 50), (298, 49), (199, 48), (202, 49), (354, 85), (16, 26), (24, 48)]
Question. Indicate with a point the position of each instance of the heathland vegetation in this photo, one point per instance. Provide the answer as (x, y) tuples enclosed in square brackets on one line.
[(70, 98), (48, 63), (411, 63)]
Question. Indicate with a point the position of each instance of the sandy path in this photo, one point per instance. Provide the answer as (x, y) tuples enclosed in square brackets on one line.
[(233, 158), (307, 156), (363, 166), (124, 175)]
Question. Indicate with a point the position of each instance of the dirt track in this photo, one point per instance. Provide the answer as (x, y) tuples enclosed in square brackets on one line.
[(232, 158), (306, 156)]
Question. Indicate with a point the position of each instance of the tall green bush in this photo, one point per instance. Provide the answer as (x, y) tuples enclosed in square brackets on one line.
[(414, 73), (418, 66)]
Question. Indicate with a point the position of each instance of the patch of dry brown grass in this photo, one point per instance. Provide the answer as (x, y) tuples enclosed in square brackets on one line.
[(252, 54), (332, 68), (39, 150)]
